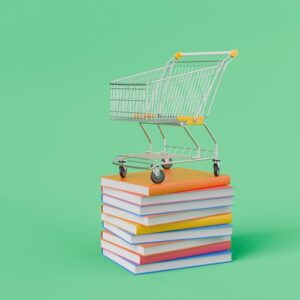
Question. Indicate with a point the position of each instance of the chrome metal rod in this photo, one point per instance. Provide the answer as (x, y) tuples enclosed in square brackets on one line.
[(147, 135), (214, 140), (157, 164), (132, 166), (163, 136), (192, 139)]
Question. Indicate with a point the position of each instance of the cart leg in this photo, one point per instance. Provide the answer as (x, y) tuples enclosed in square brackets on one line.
[(163, 136), (214, 140), (166, 161), (192, 139), (216, 160), (147, 136)]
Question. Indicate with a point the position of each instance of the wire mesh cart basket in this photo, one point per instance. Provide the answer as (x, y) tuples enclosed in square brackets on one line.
[(181, 93)]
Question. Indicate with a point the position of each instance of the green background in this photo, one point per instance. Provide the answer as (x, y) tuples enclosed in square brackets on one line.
[(57, 58)]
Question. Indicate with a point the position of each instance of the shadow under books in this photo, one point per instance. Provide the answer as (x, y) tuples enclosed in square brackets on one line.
[(261, 242)]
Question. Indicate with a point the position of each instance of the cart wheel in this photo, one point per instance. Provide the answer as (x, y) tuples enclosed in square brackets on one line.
[(157, 178), (122, 171), (216, 170), (169, 165)]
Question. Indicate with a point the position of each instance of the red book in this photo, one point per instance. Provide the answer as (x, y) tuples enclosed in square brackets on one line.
[(142, 260)]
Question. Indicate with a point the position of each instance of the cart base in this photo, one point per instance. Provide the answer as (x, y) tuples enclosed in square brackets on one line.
[(156, 161), (171, 155)]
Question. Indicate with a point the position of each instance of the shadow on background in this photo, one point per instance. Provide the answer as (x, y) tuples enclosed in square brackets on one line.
[(260, 242)]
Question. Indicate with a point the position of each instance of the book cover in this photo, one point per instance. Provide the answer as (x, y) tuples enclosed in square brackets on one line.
[(170, 255), (167, 208), (177, 180), (193, 195), (162, 247), (193, 261), (176, 235), (157, 219), (137, 229)]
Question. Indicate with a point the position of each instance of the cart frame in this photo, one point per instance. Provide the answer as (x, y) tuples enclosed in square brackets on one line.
[(170, 155)]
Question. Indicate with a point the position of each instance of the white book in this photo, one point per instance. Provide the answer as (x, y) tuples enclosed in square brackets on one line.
[(218, 192), (161, 247), (166, 208), (158, 219), (205, 259), (193, 233)]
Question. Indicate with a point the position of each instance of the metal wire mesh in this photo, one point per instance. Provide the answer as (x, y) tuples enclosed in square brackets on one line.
[(161, 95)]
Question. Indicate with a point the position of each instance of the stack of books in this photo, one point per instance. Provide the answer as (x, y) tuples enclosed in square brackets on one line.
[(182, 222)]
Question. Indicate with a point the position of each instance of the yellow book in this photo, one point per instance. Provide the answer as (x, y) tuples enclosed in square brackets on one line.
[(137, 229)]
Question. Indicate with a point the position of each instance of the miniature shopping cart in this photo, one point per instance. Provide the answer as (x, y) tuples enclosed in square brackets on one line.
[(181, 93)]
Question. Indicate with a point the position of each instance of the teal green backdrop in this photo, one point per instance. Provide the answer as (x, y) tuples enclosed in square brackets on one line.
[(57, 58)]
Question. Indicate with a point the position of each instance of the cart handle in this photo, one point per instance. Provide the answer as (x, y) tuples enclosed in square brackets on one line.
[(232, 53)]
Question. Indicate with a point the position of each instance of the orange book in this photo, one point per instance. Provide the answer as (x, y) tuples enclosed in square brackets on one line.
[(176, 180)]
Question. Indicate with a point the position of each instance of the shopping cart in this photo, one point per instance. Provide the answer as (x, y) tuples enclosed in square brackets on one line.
[(180, 93)]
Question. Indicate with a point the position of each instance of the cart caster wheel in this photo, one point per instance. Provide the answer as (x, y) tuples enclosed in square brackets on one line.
[(123, 171), (216, 170), (157, 178), (169, 165)]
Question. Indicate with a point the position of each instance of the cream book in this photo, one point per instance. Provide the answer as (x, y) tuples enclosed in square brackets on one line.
[(192, 233), (141, 200), (165, 208), (157, 219)]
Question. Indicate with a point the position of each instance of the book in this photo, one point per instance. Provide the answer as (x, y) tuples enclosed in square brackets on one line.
[(162, 247), (165, 208), (192, 233), (176, 180), (157, 219), (200, 260), (141, 200), (148, 259), (137, 229)]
